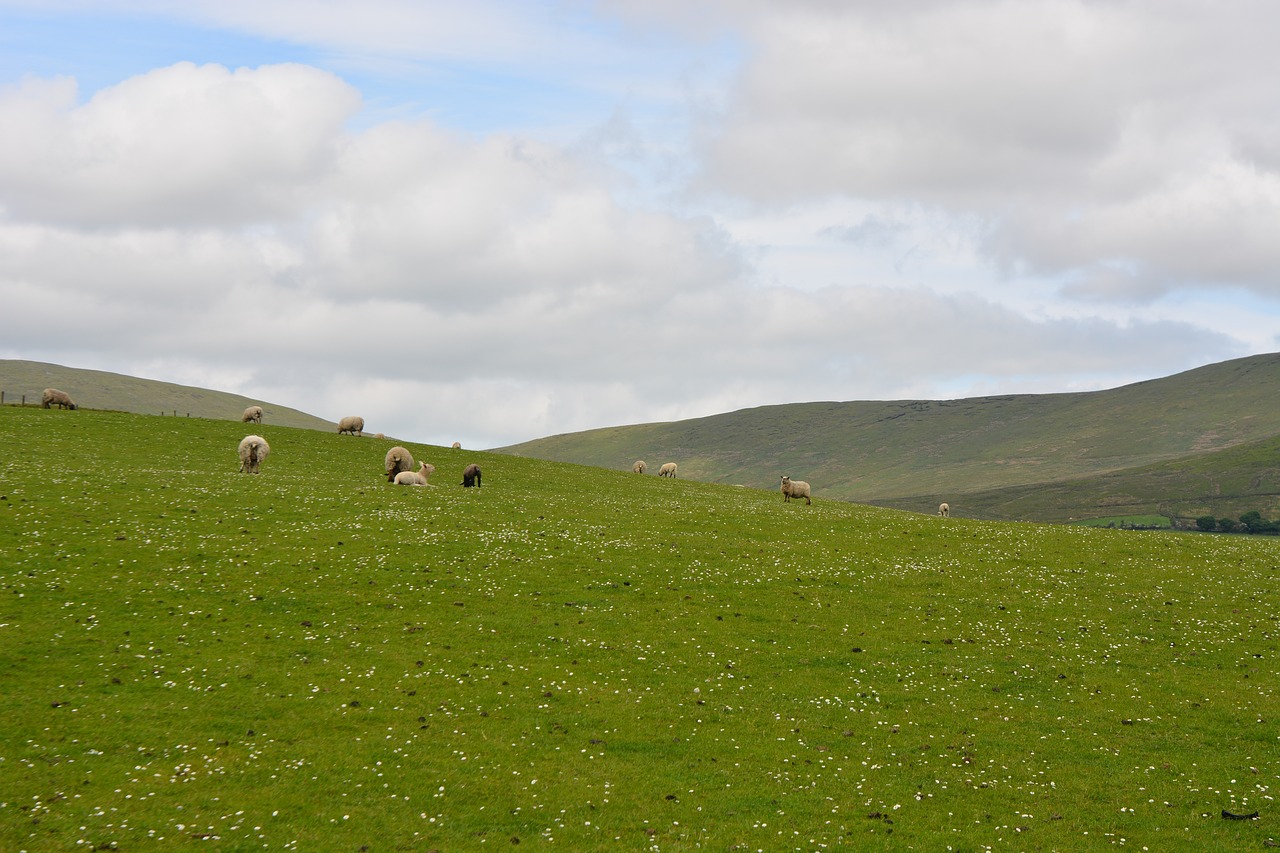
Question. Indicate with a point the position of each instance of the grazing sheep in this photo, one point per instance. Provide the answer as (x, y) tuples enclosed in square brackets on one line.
[(471, 476), (52, 397), (253, 414), (795, 489), (944, 509), (253, 449), (457, 445), (668, 469), (639, 467), (378, 435), (415, 478), (351, 425), (398, 459)]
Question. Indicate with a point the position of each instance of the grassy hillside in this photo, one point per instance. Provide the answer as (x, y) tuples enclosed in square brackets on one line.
[(1225, 483), (96, 389), (577, 658), (879, 451)]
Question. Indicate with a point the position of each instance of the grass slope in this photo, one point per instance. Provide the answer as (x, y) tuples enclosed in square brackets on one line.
[(1225, 483), (876, 451), (578, 658), (96, 389)]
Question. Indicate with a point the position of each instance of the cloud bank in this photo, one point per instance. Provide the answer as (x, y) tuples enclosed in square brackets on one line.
[(875, 201)]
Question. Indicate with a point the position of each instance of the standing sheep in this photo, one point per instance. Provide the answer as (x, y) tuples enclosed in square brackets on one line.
[(795, 489), (398, 459), (944, 509), (253, 449), (352, 425), (639, 467), (471, 476), (52, 396), (668, 469), (415, 478), (253, 414)]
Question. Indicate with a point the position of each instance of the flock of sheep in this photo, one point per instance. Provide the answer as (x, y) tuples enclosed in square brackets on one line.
[(399, 462)]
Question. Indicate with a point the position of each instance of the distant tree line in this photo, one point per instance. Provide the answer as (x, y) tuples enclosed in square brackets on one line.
[(1250, 522)]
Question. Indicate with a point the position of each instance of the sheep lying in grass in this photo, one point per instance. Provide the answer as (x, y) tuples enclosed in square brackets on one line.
[(352, 425), (398, 459), (415, 478), (795, 489), (253, 415), (944, 509), (53, 397), (253, 449), (639, 467), (668, 469), (471, 476)]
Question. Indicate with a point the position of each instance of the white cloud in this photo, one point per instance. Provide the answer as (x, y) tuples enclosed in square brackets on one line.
[(891, 200), (183, 145)]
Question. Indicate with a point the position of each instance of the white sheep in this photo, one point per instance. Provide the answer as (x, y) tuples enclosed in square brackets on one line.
[(457, 445), (639, 467), (795, 489), (253, 414), (944, 509), (53, 397), (253, 449), (668, 469), (351, 425), (415, 478), (398, 459)]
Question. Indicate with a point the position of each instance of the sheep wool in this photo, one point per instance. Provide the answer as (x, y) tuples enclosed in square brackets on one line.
[(53, 397), (639, 467), (253, 414), (398, 459), (795, 489), (944, 510), (415, 478), (253, 449), (352, 425), (668, 469)]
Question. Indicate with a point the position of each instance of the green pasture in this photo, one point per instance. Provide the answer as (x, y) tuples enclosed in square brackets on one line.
[(577, 658)]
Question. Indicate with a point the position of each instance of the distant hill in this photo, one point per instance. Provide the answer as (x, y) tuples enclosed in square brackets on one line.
[(912, 453), (96, 389), (1222, 483)]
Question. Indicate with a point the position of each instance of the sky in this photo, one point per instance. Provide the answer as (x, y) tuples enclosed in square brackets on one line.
[(496, 220)]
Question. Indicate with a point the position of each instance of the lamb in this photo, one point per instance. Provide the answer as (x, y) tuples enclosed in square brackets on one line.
[(944, 509), (351, 425), (639, 467), (398, 459), (471, 476), (668, 469), (253, 414), (415, 478), (795, 489), (52, 397), (253, 449)]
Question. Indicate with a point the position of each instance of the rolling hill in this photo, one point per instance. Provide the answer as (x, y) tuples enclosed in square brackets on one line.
[(97, 389), (989, 457), (1206, 441)]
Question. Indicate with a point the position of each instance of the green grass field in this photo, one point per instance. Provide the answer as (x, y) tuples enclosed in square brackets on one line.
[(577, 658)]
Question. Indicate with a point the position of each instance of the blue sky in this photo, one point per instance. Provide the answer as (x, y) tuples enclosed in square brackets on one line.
[(585, 213)]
